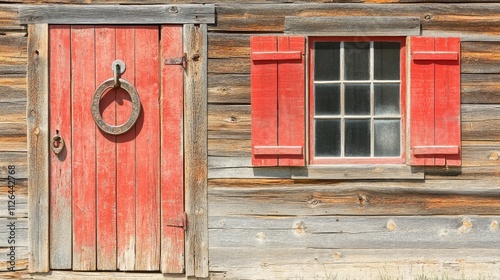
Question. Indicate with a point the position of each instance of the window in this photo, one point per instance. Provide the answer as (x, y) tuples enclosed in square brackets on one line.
[(357, 100), (361, 108)]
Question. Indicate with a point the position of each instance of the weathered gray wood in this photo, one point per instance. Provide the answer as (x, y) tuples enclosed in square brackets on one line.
[(21, 198), (16, 70), (38, 148), (104, 275), (13, 50), (232, 88), (480, 122), (339, 232), (352, 26), (313, 263), (480, 57), (113, 14), (241, 167), (195, 147), (229, 120), (229, 65), (21, 261), (480, 88), (12, 137), (224, 45), (18, 159), (20, 228), (306, 197), (229, 147)]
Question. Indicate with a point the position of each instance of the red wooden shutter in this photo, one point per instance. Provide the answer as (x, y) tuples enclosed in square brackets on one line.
[(278, 100), (435, 101)]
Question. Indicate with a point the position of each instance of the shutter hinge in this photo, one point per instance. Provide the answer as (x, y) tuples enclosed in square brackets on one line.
[(179, 221), (177, 61)]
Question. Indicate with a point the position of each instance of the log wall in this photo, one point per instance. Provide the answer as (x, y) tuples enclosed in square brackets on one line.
[(269, 224)]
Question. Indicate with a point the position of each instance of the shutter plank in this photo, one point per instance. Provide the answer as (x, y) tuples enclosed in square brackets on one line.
[(60, 165), (125, 154), (447, 94), (264, 86), (291, 100), (106, 153), (83, 158), (172, 168), (422, 100)]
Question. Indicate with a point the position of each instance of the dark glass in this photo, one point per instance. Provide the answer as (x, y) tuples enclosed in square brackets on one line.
[(357, 99), (386, 99), (387, 138), (357, 61), (387, 60), (326, 61), (327, 138), (357, 138), (326, 99)]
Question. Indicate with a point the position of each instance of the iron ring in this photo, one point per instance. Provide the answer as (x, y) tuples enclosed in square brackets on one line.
[(136, 107)]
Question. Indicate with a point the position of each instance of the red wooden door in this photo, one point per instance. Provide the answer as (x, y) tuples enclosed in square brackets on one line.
[(116, 201)]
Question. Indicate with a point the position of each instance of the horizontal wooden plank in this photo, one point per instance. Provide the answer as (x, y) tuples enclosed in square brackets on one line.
[(316, 263), (228, 122), (20, 261), (229, 66), (14, 227), (13, 137), (347, 232), (12, 89), (278, 150), (308, 197), (353, 26), (434, 56), (480, 88), (20, 198), (9, 15), (229, 147), (13, 111), (226, 45), (17, 159), (13, 50), (229, 88), (480, 122), (276, 56), (480, 57), (104, 275), (113, 14), (13, 70), (435, 150)]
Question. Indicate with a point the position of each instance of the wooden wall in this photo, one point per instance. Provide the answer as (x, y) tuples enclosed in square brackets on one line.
[(264, 224)]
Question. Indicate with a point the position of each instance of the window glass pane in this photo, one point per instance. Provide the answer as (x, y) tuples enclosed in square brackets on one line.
[(387, 138), (357, 99), (327, 61), (327, 99), (327, 138), (386, 56), (386, 99), (357, 138), (357, 60)]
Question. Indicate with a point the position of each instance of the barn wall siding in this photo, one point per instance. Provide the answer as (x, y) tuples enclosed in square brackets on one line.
[(305, 228)]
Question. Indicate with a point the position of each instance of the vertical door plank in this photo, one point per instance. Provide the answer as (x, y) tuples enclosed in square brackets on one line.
[(147, 158), (60, 165), (172, 167), (38, 140), (195, 149), (83, 158), (291, 100), (422, 100), (105, 153), (125, 153), (264, 84), (448, 101)]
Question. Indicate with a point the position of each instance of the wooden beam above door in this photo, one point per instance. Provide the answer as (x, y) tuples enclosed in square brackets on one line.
[(117, 14)]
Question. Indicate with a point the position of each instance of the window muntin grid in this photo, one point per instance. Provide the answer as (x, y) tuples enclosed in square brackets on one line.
[(357, 100)]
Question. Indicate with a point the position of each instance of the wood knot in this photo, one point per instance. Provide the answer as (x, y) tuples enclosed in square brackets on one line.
[(362, 200), (466, 225), (428, 17), (260, 236), (173, 10), (233, 119), (337, 255), (299, 228), (494, 226), (391, 225), (195, 57), (313, 201), (493, 156)]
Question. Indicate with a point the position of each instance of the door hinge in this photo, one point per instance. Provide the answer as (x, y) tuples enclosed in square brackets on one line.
[(177, 61), (179, 221)]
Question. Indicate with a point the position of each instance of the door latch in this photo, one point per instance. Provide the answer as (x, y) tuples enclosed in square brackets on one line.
[(177, 61)]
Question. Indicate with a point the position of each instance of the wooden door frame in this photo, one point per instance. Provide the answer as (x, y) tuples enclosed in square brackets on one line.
[(195, 116)]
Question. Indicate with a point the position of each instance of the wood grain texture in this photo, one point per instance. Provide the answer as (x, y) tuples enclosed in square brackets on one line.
[(280, 197), (105, 152), (13, 136), (126, 153), (60, 165), (147, 78), (84, 154), (480, 57), (21, 193), (229, 88), (13, 50), (224, 45), (172, 152), (37, 119), (479, 122), (112, 14), (480, 88), (22, 254), (347, 26), (195, 155)]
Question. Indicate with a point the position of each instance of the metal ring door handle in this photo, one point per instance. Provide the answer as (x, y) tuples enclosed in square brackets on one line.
[(60, 147)]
